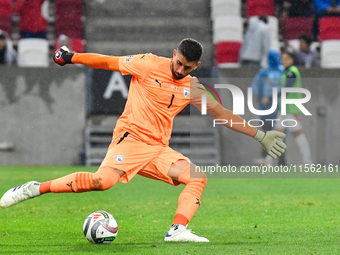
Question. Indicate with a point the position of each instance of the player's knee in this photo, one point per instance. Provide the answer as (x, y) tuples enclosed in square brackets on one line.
[(104, 179), (195, 177), (101, 184), (202, 180)]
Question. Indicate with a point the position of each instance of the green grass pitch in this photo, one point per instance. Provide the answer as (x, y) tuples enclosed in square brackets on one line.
[(239, 216)]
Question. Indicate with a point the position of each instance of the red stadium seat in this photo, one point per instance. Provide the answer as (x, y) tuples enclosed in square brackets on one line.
[(296, 26), (67, 7), (227, 52), (329, 28), (72, 26), (6, 8), (6, 16), (77, 45), (260, 8), (6, 24)]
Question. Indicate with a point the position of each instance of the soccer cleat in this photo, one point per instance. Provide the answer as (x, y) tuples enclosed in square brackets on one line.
[(21, 193), (179, 233)]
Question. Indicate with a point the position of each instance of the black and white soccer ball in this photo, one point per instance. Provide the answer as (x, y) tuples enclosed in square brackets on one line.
[(100, 227)]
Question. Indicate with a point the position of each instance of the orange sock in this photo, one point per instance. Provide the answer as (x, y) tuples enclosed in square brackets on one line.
[(180, 219), (78, 182), (45, 187), (190, 198)]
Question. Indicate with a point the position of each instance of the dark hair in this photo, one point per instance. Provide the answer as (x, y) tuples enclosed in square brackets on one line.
[(290, 54), (264, 19), (2, 37), (191, 49), (308, 39)]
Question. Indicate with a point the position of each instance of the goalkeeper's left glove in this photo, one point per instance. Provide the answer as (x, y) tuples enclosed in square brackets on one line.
[(271, 143), (63, 56)]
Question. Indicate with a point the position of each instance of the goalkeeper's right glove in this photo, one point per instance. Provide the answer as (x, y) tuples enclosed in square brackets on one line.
[(271, 143), (62, 56)]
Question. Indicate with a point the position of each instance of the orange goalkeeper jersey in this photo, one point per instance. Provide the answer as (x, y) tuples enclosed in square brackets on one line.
[(154, 99)]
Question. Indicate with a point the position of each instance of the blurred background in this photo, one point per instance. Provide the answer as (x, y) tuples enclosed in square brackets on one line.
[(51, 115)]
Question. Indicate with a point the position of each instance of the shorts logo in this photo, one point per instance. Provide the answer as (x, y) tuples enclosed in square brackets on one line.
[(119, 158), (129, 58), (186, 92)]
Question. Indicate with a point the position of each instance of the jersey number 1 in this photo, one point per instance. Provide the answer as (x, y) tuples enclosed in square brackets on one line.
[(172, 99)]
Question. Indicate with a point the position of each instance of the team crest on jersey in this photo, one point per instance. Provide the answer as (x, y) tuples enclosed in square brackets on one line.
[(186, 92), (119, 158), (129, 58)]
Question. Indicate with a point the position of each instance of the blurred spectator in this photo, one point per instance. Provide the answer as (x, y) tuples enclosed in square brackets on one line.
[(32, 23), (8, 55), (304, 56), (264, 82), (291, 78), (295, 8), (324, 8), (64, 40), (256, 42)]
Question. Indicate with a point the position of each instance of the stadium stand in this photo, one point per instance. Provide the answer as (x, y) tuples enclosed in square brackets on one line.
[(130, 26), (227, 54), (227, 32), (295, 43), (77, 45), (6, 24), (329, 28), (68, 7), (273, 24), (295, 26), (260, 8), (227, 28), (6, 16), (71, 25), (225, 8), (330, 54), (33, 52)]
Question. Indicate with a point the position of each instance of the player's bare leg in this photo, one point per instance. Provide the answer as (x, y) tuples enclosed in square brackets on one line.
[(78, 182), (188, 202)]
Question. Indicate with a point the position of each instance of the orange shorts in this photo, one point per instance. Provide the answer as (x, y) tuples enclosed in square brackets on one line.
[(135, 157)]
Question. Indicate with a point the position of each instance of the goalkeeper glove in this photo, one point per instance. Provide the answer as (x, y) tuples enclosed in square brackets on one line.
[(271, 143), (62, 56)]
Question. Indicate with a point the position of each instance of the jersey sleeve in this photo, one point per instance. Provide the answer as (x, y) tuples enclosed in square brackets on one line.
[(217, 111), (197, 90), (136, 65)]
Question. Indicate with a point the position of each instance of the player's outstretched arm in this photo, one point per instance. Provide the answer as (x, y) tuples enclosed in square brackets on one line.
[(63, 57), (270, 140)]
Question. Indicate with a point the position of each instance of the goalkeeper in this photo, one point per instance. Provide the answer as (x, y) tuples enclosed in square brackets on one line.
[(159, 90)]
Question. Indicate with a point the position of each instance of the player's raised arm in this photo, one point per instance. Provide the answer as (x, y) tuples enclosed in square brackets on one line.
[(269, 140), (63, 57)]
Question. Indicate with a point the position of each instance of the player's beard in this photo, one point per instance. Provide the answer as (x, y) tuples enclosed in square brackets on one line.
[(176, 76)]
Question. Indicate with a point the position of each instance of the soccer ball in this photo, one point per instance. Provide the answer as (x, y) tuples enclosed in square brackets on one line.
[(100, 227)]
